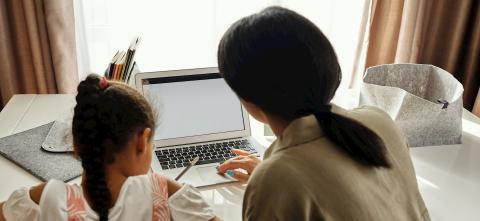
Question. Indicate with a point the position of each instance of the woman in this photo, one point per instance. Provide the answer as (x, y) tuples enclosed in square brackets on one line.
[(327, 163)]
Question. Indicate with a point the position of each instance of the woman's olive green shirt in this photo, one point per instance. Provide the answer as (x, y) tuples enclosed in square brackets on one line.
[(305, 176)]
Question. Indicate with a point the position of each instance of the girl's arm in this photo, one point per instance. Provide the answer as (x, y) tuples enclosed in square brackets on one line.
[(34, 193), (174, 186), (2, 218)]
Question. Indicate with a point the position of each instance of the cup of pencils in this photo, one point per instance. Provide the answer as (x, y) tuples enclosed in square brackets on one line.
[(122, 65)]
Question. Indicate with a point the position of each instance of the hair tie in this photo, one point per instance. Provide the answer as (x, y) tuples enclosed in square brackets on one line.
[(103, 83), (322, 112)]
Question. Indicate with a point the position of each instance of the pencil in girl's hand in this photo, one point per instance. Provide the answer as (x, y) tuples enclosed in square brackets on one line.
[(192, 163)]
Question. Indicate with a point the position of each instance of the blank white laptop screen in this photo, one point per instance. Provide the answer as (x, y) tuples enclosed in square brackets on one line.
[(193, 105)]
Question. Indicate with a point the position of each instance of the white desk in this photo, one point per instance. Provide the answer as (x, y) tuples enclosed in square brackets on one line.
[(448, 176)]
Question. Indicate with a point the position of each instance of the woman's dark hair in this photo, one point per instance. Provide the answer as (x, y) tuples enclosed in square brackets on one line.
[(106, 116), (281, 62)]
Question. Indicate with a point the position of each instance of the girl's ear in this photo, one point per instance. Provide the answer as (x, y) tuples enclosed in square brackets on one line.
[(143, 139), (75, 152)]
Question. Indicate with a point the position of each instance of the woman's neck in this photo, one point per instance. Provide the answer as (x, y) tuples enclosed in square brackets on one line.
[(277, 125)]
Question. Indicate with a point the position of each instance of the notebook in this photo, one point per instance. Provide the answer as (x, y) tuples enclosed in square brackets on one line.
[(24, 149)]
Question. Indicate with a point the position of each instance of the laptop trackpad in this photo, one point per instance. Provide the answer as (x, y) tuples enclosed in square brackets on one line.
[(209, 174)]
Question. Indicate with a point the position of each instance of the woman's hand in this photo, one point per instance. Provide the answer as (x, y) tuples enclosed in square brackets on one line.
[(245, 161)]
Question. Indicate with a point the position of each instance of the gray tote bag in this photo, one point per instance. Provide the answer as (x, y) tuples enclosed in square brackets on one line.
[(425, 101)]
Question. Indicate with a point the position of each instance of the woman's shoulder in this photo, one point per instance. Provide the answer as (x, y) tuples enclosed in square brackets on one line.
[(382, 124), (368, 112), (376, 119)]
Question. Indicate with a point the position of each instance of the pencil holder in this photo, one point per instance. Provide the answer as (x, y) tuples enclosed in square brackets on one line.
[(130, 80)]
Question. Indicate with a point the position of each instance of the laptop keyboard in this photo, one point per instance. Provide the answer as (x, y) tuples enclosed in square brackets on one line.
[(207, 153)]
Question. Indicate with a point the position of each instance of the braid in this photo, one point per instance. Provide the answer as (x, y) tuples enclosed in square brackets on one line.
[(96, 184), (105, 117), (88, 129)]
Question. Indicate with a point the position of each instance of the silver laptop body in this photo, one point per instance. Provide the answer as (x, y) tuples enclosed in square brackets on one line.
[(198, 115)]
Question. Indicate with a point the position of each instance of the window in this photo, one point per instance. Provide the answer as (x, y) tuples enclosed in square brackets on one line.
[(184, 34)]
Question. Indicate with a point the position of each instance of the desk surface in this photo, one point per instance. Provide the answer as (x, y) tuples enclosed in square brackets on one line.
[(448, 176)]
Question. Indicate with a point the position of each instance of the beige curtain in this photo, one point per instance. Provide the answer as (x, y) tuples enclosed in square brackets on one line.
[(37, 47), (476, 107), (445, 33)]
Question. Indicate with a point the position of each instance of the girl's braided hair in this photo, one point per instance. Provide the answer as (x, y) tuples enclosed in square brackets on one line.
[(106, 116)]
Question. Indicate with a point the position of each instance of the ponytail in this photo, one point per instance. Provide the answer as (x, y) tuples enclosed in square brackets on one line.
[(358, 141)]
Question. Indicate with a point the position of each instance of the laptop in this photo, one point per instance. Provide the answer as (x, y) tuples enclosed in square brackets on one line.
[(198, 115)]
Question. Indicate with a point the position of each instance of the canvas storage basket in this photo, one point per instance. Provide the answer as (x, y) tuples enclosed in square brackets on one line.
[(425, 101)]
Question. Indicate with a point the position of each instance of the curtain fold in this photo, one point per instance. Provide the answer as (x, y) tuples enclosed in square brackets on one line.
[(444, 33), (476, 107), (37, 47)]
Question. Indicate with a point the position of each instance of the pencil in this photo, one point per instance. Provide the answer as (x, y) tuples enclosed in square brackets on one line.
[(192, 163)]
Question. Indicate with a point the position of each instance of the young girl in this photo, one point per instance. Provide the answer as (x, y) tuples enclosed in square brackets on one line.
[(112, 128), (327, 163)]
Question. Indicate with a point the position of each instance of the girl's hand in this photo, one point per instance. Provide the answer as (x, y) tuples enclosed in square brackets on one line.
[(173, 186), (245, 161), (2, 218)]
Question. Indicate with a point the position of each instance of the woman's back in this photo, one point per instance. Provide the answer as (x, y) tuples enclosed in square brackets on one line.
[(304, 176)]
